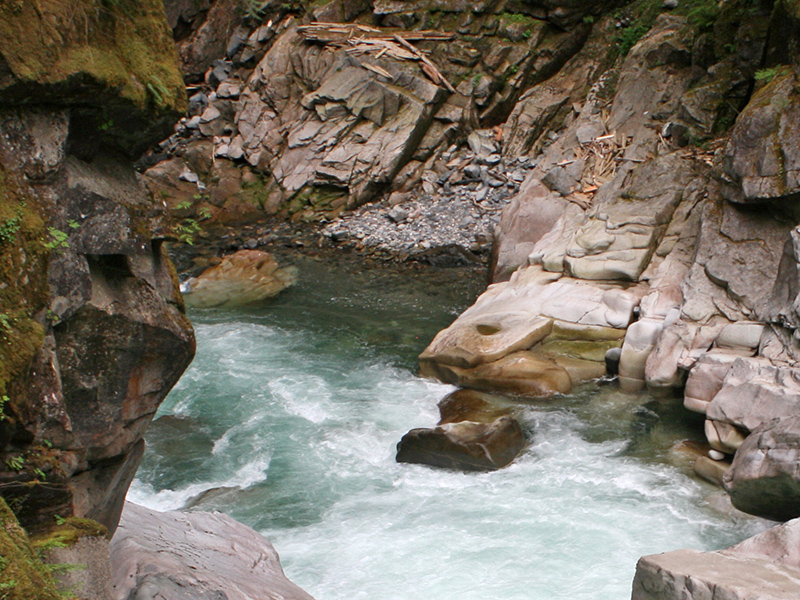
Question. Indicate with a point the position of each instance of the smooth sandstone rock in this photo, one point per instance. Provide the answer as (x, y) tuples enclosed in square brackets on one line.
[(246, 277), (204, 556)]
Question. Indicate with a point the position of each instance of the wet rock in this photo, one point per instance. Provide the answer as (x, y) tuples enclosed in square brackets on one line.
[(465, 445), (764, 479), (205, 556), (246, 277)]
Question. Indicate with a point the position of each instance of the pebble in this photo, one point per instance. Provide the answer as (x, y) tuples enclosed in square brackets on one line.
[(715, 455)]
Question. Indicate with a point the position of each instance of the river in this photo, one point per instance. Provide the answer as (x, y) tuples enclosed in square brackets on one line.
[(288, 419)]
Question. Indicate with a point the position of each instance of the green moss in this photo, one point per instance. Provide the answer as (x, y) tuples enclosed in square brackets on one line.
[(23, 279), (67, 533), (317, 198), (115, 59), (22, 575)]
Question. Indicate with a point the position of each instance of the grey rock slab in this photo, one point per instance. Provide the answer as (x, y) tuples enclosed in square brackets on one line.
[(763, 567), (182, 556)]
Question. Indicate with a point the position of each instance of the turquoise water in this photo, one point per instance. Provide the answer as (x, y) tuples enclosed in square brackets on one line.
[(288, 420)]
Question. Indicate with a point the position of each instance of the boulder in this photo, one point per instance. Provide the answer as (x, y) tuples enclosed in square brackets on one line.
[(471, 405), (764, 479), (246, 277), (465, 445), (756, 391), (763, 567), (537, 334), (202, 556)]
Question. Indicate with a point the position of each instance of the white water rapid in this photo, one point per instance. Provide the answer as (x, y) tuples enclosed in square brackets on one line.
[(288, 421)]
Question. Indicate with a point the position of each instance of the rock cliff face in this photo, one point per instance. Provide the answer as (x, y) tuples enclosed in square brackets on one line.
[(93, 330)]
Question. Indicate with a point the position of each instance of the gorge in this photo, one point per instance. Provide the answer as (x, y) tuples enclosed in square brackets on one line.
[(627, 172)]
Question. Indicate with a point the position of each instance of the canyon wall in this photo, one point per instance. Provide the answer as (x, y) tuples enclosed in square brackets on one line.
[(91, 320)]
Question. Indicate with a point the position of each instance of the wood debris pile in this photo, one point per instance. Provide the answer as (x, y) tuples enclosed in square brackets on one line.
[(362, 40)]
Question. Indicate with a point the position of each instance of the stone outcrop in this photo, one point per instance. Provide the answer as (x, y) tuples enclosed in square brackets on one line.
[(764, 567), (246, 277), (93, 325), (204, 556)]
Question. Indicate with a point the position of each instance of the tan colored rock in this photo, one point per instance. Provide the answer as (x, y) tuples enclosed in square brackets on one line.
[(705, 379), (711, 470), (174, 555), (246, 277)]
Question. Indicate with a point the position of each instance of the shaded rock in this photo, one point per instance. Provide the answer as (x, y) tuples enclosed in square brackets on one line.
[(246, 277), (117, 339), (764, 479), (207, 556), (763, 157), (464, 445), (133, 81)]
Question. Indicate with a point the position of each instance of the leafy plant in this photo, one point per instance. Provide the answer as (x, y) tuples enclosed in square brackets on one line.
[(186, 231), (588, 19), (703, 16), (58, 239), (3, 401), (185, 205), (9, 229), (628, 37), (73, 224), (767, 75), (15, 463)]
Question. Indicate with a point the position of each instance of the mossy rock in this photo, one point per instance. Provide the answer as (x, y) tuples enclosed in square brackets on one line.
[(115, 58), (23, 271), (22, 575)]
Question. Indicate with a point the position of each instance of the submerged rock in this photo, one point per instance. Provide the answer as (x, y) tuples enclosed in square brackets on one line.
[(246, 277), (198, 556)]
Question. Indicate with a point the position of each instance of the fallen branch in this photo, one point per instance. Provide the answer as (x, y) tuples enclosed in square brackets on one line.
[(432, 71)]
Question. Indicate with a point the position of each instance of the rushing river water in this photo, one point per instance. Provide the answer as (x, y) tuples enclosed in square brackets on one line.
[(288, 420)]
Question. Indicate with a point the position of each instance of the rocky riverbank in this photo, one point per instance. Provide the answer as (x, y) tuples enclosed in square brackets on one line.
[(629, 171)]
